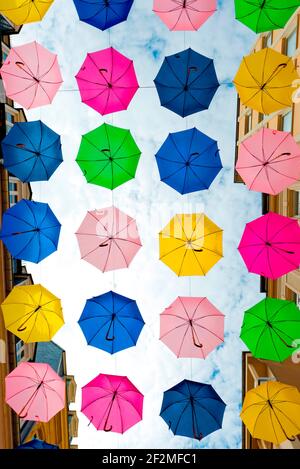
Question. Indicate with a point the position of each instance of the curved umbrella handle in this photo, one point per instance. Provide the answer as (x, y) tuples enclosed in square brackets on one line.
[(107, 337), (21, 329), (196, 342), (107, 429), (23, 416)]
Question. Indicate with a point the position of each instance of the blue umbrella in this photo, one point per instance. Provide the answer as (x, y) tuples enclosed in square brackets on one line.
[(103, 14), (30, 231), (111, 322), (31, 151), (189, 161), (186, 82), (192, 409), (37, 444)]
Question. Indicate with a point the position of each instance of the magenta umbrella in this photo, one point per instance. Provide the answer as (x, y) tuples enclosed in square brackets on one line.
[(184, 15), (270, 245), (31, 75), (107, 81), (112, 403)]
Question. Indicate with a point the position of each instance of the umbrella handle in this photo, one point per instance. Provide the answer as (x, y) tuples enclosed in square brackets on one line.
[(23, 416), (91, 421), (196, 342), (111, 324), (107, 429), (21, 329)]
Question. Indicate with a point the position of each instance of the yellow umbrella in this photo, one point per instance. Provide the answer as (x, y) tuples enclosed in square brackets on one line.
[(271, 412), (265, 81), (24, 11), (32, 313), (191, 244)]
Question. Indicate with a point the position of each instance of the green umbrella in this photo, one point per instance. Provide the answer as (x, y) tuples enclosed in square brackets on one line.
[(265, 15), (270, 328), (108, 156)]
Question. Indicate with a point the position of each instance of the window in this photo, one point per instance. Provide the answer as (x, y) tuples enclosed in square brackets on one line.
[(269, 39), (297, 204), (248, 123), (291, 44), (10, 119), (13, 199), (287, 122), (260, 117), (13, 187)]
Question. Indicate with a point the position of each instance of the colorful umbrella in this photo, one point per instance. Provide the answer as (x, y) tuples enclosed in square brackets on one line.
[(269, 161), (271, 412), (32, 313), (108, 239), (35, 392), (112, 403), (265, 81), (103, 14), (111, 322), (30, 231), (192, 409), (189, 161), (191, 244), (270, 329), (31, 75), (37, 444), (31, 151), (192, 327), (270, 245), (186, 82), (25, 11), (107, 81), (108, 156), (184, 15)]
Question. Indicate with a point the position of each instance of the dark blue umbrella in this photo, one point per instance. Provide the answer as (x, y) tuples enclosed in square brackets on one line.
[(186, 82), (103, 14), (111, 322), (192, 409), (31, 151), (189, 161), (37, 444), (30, 231)]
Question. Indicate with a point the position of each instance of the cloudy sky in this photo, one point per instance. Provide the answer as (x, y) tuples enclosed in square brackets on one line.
[(150, 365)]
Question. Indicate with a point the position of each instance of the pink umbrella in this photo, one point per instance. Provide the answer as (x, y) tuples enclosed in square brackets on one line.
[(108, 239), (184, 15), (192, 327), (112, 403), (270, 245), (31, 75), (35, 392), (269, 161), (107, 81)]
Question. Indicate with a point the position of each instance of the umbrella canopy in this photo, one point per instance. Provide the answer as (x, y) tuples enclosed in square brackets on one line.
[(108, 239), (192, 409), (108, 156), (112, 403), (31, 75), (25, 11), (262, 15), (103, 14), (271, 412), (186, 82), (32, 313), (35, 392), (189, 161), (107, 81), (269, 161), (184, 15), (265, 81), (111, 322), (191, 244), (31, 151), (270, 329), (270, 245), (37, 444), (192, 327)]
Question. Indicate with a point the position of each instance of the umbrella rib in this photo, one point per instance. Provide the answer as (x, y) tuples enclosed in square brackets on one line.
[(174, 73), (211, 332), (207, 411), (183, 339), (173, 403), (173, 250), (291, 222), (98, 331), (174, 329), (280, 309), (133, 341), (176, 147), (180, 417), (121, 396), (98, 221), (115, 242)]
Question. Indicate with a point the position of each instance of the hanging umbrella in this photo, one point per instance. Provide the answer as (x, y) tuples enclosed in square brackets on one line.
[(186, 82), (192, 409), (108, 156), (192, 327), (35, 392), (32, 313), (112, 403), (37, 444), (30, 231), (184, 15), (31, 151), (108, 239), (269, 161), (111, 322), (24, 11), (270, 245), (271, 412), (107, 81), (270, 329), (191, 244), (103, 14), (265, 81), (189, 161)]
